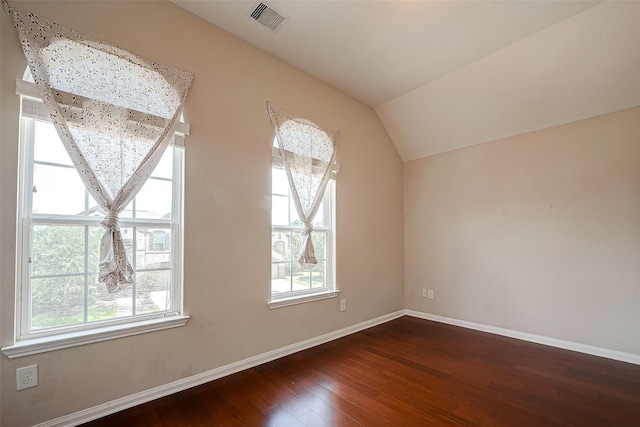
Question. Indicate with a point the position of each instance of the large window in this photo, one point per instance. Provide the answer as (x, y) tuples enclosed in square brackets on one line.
[(290, 281), (59, 241)]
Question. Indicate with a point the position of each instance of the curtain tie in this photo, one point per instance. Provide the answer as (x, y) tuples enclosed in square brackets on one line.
[(111, 221), (306, 229)]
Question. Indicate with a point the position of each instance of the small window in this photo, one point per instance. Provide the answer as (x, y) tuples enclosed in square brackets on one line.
[(288, 279), (159, 241)]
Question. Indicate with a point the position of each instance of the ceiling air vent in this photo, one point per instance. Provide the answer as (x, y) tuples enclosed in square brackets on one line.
[(268, 16)]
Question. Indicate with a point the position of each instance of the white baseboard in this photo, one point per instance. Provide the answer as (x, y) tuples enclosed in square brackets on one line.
[(539, 339), (130, 401)]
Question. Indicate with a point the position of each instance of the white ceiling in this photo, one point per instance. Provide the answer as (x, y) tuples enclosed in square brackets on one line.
[(443, 75)]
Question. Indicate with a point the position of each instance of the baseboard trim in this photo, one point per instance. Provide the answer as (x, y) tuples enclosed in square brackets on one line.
[(135, 399), (539, 339)]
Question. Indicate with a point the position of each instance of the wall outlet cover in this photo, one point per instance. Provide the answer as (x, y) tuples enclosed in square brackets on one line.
[(27, 377)]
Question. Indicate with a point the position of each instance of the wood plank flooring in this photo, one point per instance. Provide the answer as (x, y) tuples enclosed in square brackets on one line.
[(410, 372)]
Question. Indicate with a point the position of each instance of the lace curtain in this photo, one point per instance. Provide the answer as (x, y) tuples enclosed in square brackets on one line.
[(114, 112), (308, 152)]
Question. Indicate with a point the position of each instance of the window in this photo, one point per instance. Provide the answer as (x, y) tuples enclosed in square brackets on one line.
[(291, 283), (59, 232), (159, 240)]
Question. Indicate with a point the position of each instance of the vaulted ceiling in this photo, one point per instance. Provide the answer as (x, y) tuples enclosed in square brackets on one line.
[(443, 75)]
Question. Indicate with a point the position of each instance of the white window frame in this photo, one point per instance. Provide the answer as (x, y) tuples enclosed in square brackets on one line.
[(330, 290), (27, 342)]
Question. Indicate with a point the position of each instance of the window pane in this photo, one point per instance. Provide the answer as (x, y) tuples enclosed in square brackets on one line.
[(165, 166), (57, 249), (296, 245), (314, 278), (318, 275), (48, 146), (154, 199), (127, 241), (57, 301), (94, 208), (293, 214), (318, 221), (279, 182), (280, 277), (152, 289), (301, 279), (280, 246), (153, 248), (57, 190), (127, 212), (95, 236), (105, 306), (279, 210), (319, 240)]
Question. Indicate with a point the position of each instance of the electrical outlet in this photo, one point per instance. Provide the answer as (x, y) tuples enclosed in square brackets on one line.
[(430, 294), (343, 304), (424, 293), (27, 377)]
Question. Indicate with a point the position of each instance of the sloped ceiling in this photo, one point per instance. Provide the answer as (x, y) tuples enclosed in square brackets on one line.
[(444, 75)]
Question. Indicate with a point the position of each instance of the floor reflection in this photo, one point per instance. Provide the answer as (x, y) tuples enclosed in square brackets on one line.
[(310, 408)]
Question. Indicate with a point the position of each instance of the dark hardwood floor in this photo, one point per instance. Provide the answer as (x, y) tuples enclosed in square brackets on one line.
[(410, 372)]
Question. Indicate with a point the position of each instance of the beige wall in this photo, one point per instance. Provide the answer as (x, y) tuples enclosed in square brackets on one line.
[(227, 210), (537, 233)]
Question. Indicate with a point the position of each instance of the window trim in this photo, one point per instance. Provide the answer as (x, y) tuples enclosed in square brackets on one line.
[(72, 339), (55, 339), (302, 299), (276, 160), (30, 90), (289, 298)]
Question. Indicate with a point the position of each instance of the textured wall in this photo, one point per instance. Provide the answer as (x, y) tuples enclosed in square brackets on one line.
[(538, 233), (227, 212)]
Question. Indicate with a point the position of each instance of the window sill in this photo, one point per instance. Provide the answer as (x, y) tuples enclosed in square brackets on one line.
[(73, 339), (301, 299)]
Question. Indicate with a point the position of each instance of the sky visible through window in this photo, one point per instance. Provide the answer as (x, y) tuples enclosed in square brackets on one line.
[(59, 189)]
